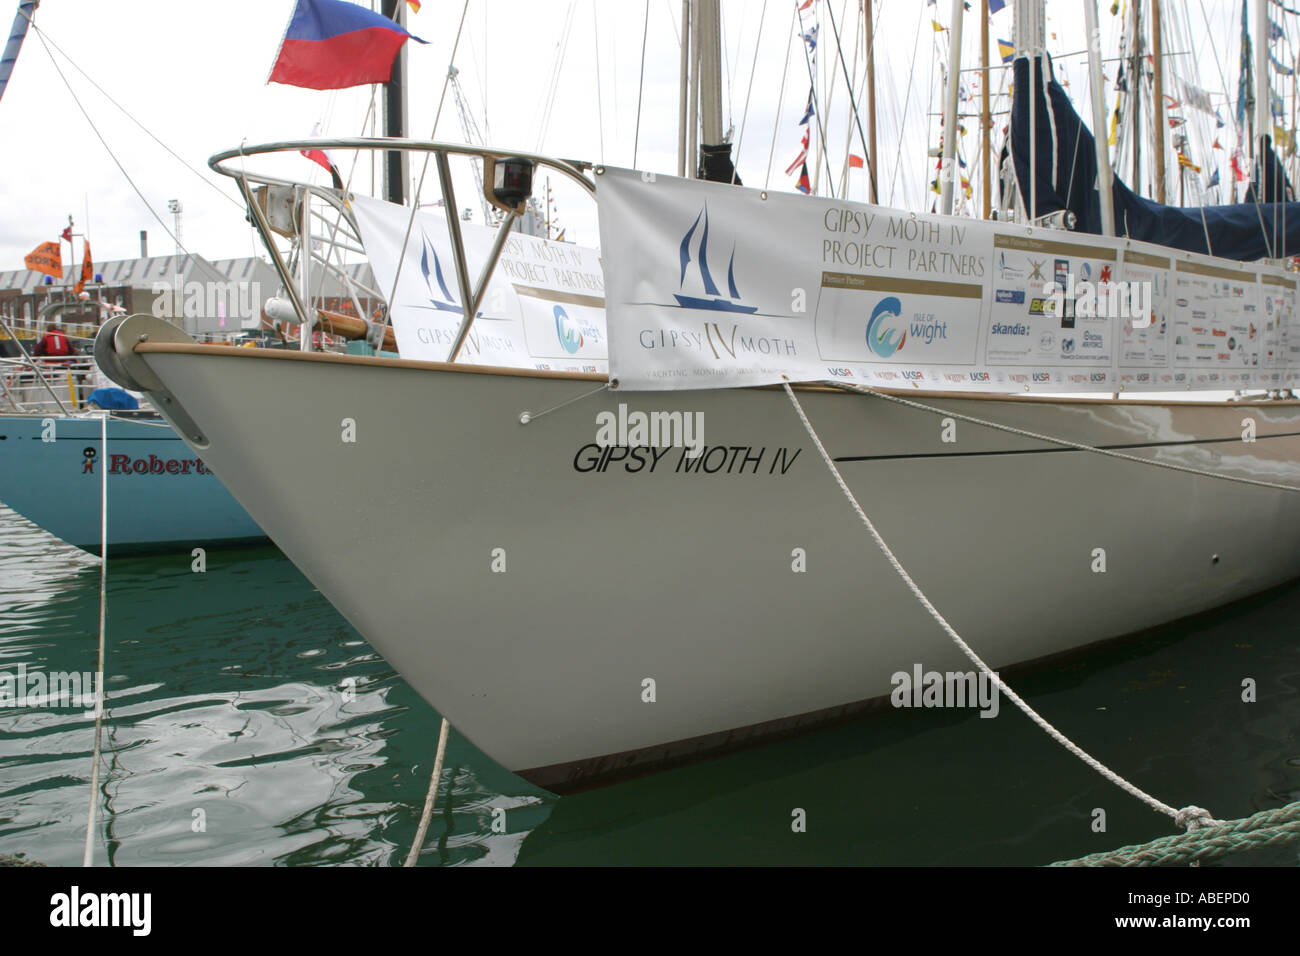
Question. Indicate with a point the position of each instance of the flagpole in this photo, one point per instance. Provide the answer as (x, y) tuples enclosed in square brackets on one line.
[(683, 88), (1263, 87), (1100, 140), (1135, 87), (871, 101), (1158, 159), (986, 120), (396, 162)]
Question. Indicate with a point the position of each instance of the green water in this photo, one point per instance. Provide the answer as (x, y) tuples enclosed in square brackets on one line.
[(241, 693)]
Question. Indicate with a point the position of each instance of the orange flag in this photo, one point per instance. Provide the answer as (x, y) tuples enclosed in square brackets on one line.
[(87, 270), (46, 258)]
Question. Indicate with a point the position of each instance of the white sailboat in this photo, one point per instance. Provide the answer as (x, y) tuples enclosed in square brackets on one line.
[(585, 609)]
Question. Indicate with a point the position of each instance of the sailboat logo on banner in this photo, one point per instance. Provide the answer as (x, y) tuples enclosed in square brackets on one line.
[(432, 275), (717, 302)]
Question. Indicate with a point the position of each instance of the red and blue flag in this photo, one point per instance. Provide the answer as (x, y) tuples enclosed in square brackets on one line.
[(333, 44)]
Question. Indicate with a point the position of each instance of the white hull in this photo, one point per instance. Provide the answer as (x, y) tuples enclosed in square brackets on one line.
[(614, 577)]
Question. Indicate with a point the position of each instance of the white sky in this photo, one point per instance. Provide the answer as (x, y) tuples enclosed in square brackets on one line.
[(194, 74)]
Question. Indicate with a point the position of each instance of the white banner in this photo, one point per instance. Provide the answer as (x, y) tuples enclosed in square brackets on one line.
[(715, 285), (544, 308)]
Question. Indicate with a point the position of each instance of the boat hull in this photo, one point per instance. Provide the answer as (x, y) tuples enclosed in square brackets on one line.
[(161, 496), (529, 584)]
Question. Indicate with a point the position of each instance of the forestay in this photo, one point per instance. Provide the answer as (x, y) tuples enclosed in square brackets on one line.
[(544, 306), (715, 285)]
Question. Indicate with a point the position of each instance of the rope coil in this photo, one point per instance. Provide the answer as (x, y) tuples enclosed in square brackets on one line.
[(1264, 829)]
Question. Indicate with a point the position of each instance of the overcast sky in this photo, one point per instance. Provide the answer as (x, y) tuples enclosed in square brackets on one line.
[(195, 75)]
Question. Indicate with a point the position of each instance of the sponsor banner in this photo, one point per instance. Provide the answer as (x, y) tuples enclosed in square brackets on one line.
[(715, 286), (544, 308)]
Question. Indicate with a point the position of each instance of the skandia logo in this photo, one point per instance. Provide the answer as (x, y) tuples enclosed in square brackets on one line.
[(567, 331), (1004, 328), (698, 264), (884, 337)]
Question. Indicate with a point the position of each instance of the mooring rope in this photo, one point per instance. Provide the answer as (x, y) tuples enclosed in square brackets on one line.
[(88, 853), (1190, 817), (1078, 446), (430, 798), (1264, 829)]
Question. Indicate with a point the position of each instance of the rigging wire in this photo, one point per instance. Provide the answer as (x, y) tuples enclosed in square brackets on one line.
[(848, 82), (113, 156), (744, 116), (645, 32), (560, 48), (780, 98), (600, 108), (812, 82), (125, 112)]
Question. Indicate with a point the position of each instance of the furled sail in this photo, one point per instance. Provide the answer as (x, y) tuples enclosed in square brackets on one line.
[(22, 20), (1067, 180)]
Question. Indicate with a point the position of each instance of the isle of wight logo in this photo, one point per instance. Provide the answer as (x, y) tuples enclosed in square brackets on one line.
[(713, 298), (567, 331), (884, 337)]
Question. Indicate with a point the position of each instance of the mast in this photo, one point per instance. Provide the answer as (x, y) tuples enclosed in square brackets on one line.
[(683, 87), (1104, 171), (396, 162), (1263, 87), (710, 74), (22, 20), (1135, 93), (1030, 38), (871, 101), (693, 120), (1158, 159), (986, 119), (948, 173)]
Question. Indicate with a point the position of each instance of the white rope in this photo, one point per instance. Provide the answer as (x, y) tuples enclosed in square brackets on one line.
[(88, 853), (1189, 817), (430, 798), (1079, 446)]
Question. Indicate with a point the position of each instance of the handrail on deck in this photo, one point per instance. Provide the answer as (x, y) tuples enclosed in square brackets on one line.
[(471, 294)]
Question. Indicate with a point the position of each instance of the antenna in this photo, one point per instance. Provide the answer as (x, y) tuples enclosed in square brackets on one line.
[(176, 208)]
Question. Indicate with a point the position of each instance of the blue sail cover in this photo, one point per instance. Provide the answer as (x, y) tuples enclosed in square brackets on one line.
[(22, 20), (1067, 179)]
